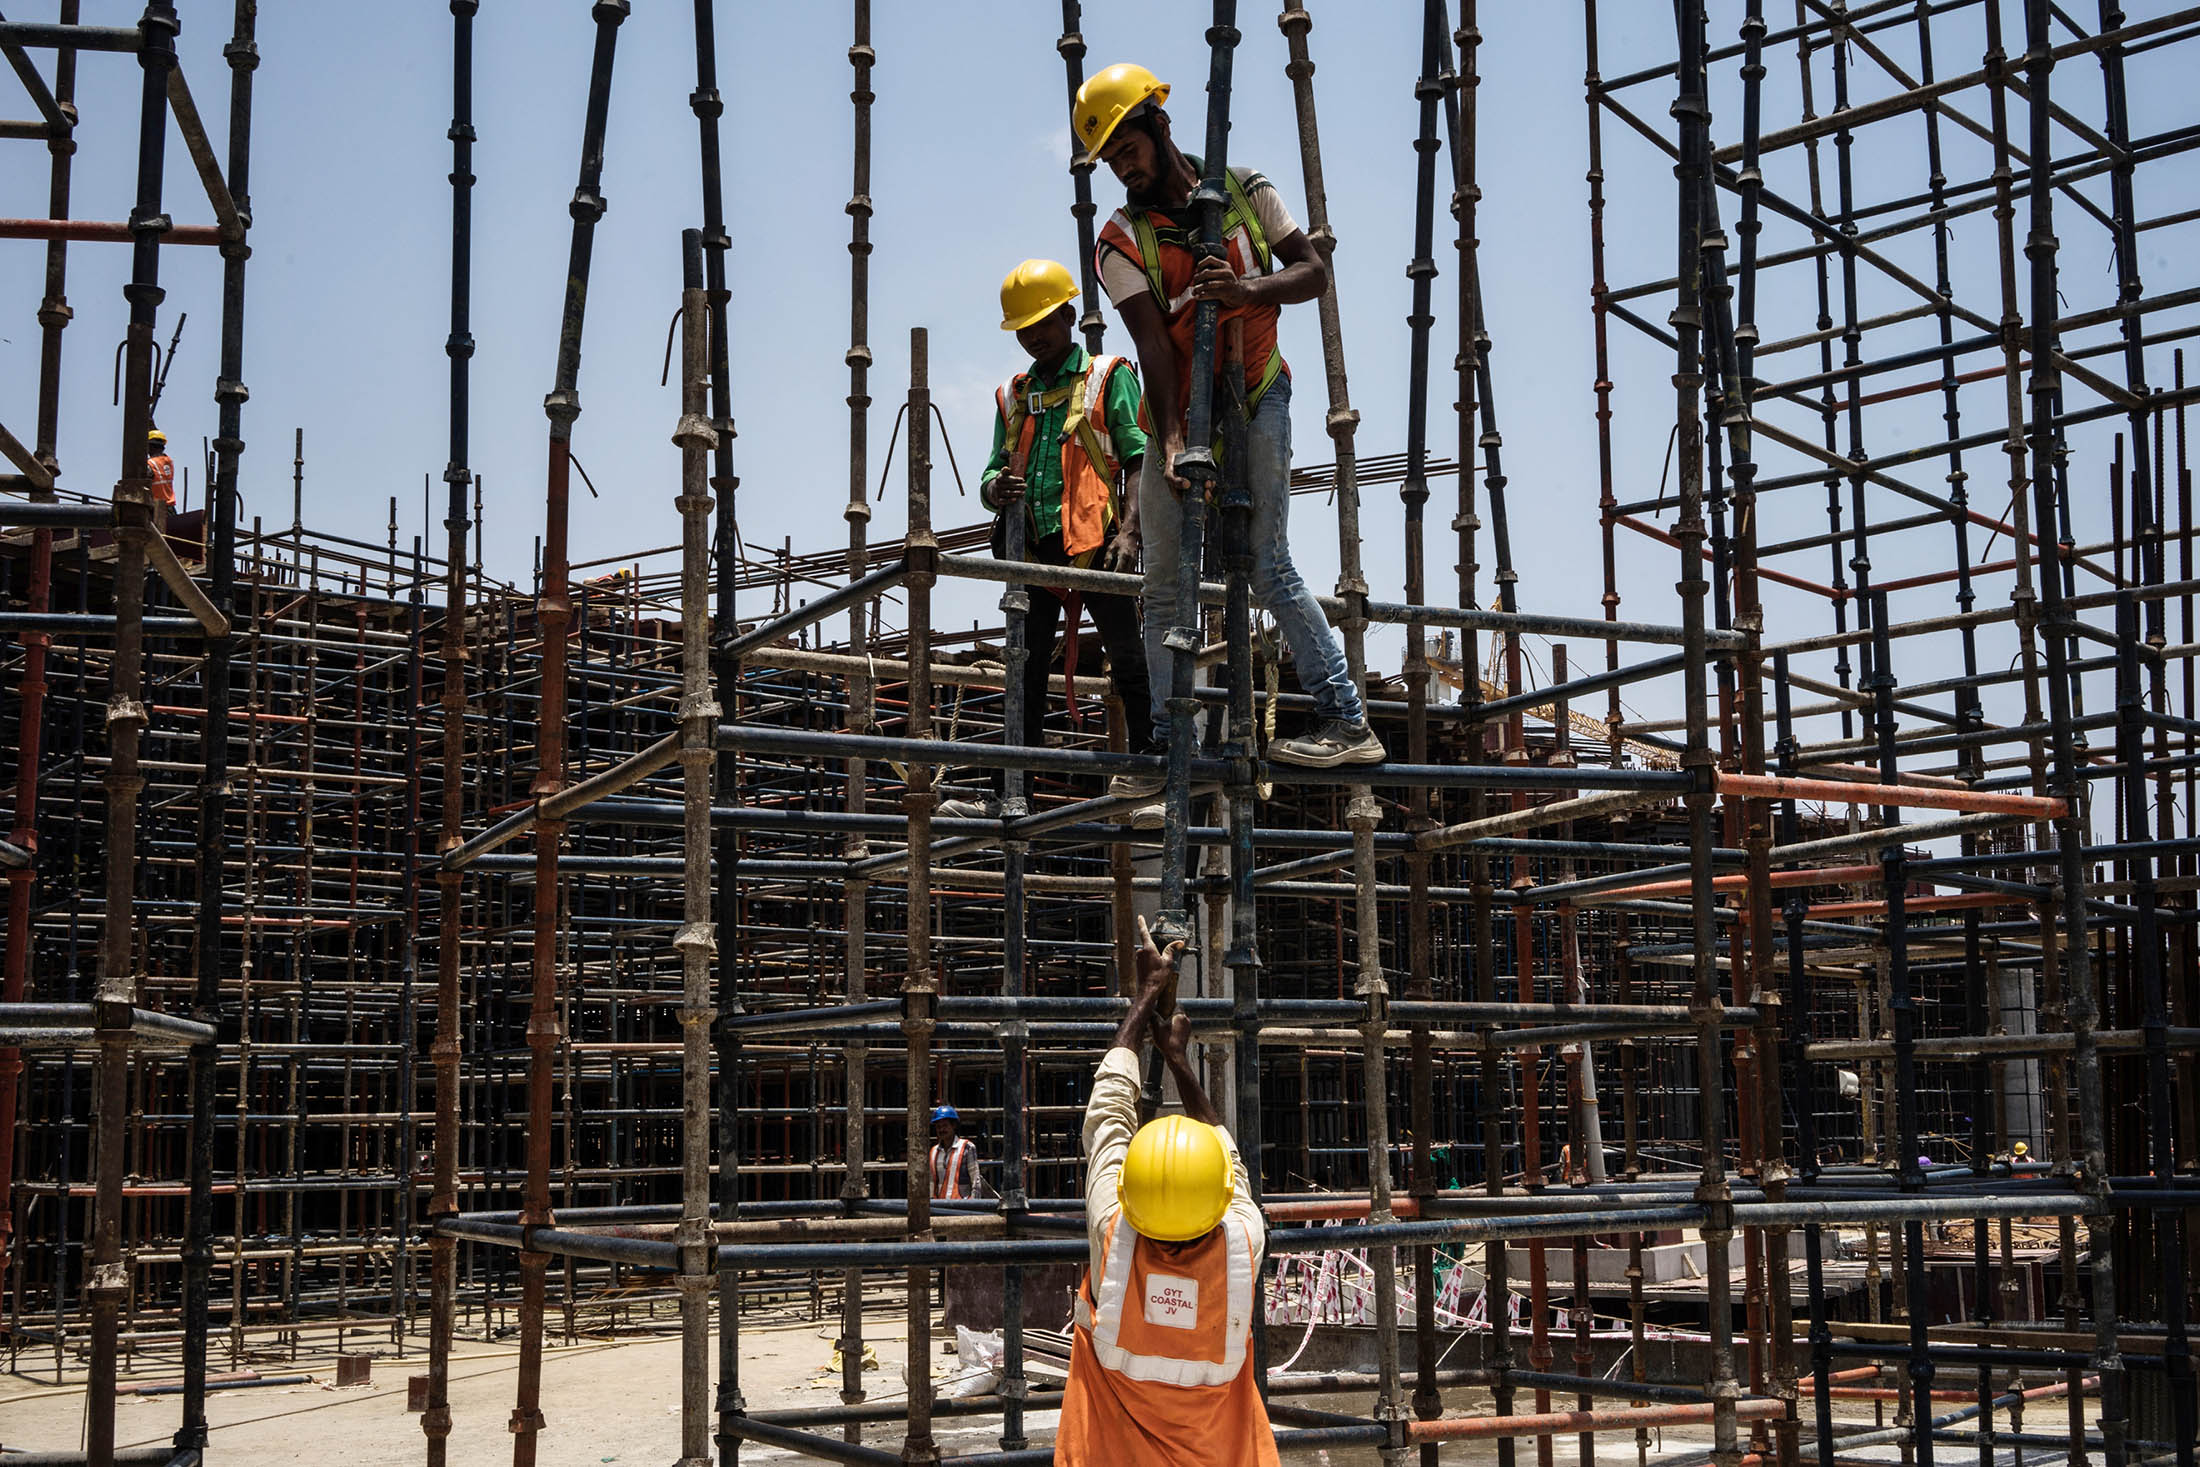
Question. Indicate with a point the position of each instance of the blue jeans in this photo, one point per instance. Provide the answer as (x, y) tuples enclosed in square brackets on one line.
[(1277, 586)]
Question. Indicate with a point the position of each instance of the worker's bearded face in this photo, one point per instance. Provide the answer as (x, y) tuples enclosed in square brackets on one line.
[(1143, 161)]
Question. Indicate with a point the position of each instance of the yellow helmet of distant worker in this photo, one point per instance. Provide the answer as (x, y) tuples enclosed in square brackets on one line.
[(1176, 1181), (1033, 291), (157, 438), (1110, 95), (2020, 1149)]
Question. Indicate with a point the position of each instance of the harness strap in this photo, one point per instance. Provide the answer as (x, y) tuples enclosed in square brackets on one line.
[(1240, 215)]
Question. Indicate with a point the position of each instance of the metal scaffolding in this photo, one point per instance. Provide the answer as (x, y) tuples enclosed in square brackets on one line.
[(1836, 958)]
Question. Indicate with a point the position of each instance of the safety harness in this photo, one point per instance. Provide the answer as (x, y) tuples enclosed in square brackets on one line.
[(1239, 215)]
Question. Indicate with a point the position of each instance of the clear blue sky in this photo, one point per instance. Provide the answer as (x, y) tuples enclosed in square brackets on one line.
[(348, 281)]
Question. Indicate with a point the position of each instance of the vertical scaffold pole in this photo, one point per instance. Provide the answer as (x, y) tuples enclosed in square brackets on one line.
[(53, 318), (708, 107), (2168, 1225), (107, 1280), (554, 617), (1015, 1120), (448, 1047), (1196, 465), (221, 522), (697, 942), (1428, 91), (1692, 109), (919, 994), (1071, 46), (855, 904), (2067, 778)]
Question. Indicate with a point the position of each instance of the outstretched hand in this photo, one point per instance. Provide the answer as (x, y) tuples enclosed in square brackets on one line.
[(1157, 970), (1154, 991), (1173, 1036)]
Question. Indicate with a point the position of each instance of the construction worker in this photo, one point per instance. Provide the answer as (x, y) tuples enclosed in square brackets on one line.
[(1066, 438), (163, 470), (954, 1159), (1145, 262), (1161, 1346)]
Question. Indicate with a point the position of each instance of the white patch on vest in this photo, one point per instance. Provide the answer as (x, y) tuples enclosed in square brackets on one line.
[(1172, 1301)]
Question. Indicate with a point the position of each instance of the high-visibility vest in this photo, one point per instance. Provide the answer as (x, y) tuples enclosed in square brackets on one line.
[(1089, 467), (164, 478), (951, 1184), (1161, 248), (1158, 1365)]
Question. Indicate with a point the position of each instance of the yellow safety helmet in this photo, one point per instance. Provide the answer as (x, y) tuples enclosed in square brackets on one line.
[(1176, 1181), (1034, 290), (2020, 1149), (1110, 95), (156, 436)]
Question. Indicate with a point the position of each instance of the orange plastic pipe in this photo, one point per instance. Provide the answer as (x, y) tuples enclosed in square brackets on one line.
[(1617, 1418), (1991, 802)]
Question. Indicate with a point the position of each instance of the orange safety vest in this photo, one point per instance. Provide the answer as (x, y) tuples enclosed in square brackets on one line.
[(164, 478), (1089, 467), (953, 1180), (1161, 249), (1158, 1356)]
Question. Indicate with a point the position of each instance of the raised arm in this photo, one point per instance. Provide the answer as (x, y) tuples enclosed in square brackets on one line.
[(1174, 1035), (1155, 992)]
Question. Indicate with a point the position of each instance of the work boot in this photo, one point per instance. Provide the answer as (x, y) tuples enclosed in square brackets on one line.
[(987, 807), (1335, 742), (1137, 786), (1147, 788)]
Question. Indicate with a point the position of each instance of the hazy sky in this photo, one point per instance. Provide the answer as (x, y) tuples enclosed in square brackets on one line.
[(349, 276)]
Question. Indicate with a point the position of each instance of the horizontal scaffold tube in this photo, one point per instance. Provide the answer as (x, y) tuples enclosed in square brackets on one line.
[(862, 589), (104, 231), (631, 771), (92, 623), (1837, 791), (147, 1024), (1212, 593), (1551, 1423), (51, 37), (1218, 1013), (805, 744), (26, 514)]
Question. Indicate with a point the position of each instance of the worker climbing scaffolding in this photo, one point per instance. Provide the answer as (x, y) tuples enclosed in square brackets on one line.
[(1175, 288)]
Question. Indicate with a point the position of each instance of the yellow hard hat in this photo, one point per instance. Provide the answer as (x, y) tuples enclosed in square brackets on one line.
[(1032, 291), (1176, 1180), (1110, 95), (2022, 1150), (156, 436)]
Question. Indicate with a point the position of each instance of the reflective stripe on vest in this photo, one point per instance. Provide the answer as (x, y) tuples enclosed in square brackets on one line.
[(1102, 1316), (953, 1180)]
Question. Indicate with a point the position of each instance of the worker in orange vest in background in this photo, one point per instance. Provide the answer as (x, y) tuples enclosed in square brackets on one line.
[(163, 470), (1160, 1363), (954, 1160)]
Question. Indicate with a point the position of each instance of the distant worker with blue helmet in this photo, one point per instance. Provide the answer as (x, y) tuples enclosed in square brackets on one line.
[(954, 1159)]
